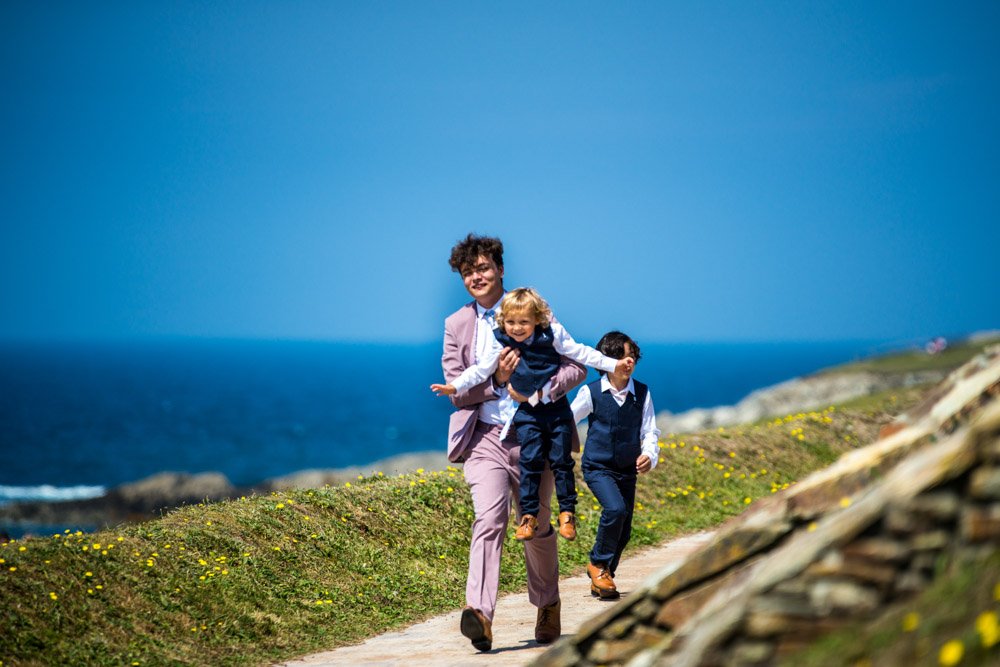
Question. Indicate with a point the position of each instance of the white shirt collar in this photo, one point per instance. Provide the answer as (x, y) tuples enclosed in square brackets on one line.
[(606, 385), (480, 311)]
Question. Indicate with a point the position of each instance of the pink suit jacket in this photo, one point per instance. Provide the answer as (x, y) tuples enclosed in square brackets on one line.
[(459, 354)]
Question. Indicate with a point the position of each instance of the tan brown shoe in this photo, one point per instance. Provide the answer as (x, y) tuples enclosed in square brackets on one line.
[(601, 583), (547, 626), (567, 525), (526, 530), (475, 626)]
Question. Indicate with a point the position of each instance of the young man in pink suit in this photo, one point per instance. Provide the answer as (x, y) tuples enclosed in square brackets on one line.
[(491, 465)]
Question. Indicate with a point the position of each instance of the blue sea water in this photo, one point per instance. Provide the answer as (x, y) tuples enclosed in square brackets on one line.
[(76, 418)]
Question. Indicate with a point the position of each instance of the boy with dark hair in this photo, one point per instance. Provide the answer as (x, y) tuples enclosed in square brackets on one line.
[(621, 443)]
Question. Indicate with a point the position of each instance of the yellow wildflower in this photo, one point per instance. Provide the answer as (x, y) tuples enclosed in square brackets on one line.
[(988, 628), (951, 653), (911, 621)]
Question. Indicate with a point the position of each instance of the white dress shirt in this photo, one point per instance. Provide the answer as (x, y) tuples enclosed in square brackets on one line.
[(500, 410), (583, 405)]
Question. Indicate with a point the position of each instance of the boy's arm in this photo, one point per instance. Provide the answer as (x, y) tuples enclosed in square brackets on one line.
[(578, 352), (569, 375), (648, 432), (582, 405), (452, 364), (480, 371)]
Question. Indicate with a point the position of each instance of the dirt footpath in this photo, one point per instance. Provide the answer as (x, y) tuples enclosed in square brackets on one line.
[(438, 641)]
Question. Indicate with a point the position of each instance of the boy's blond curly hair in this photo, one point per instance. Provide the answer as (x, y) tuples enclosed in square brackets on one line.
[(524, 299)]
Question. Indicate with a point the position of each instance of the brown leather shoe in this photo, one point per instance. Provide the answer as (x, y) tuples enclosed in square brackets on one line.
[(547, 627), (475, 626), (601, 583), (567, 525), (526, 530)]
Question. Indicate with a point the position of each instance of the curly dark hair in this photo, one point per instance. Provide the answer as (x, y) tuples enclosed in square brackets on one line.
[(469, 249), (612, 344)]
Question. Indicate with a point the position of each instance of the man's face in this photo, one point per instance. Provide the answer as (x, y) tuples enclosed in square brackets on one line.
[(484, 280)]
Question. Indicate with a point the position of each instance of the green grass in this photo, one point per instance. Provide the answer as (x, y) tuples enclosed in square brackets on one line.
[(916, 360), (961, 606), (260, 579)]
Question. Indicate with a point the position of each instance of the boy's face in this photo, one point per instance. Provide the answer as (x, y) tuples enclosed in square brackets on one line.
[(484, 281), (519, 325)]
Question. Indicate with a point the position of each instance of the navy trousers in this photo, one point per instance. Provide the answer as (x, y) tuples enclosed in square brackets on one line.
[(545, 433), (616, 493)]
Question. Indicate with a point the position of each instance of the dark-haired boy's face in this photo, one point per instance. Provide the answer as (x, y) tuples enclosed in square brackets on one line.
[(484, 280)]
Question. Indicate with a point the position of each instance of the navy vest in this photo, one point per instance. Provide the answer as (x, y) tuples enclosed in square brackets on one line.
[(539, 360), (613, 438)]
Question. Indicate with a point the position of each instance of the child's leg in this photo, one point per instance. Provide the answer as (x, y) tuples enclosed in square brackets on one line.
[(560, 457), (531, 461), (626, 485), (614, 511)]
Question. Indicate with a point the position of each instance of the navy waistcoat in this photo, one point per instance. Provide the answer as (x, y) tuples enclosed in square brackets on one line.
[(539, 360), (614, 434)]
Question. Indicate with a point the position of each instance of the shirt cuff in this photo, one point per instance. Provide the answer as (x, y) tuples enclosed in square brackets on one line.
[(547, 392)]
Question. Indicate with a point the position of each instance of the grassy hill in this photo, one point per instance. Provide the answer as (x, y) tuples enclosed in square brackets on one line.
[(264, 578)]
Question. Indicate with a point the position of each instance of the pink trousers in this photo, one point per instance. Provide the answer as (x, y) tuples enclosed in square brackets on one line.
[(493, 476)]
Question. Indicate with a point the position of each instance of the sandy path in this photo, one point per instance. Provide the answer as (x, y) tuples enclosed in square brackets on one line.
[(438, 641)]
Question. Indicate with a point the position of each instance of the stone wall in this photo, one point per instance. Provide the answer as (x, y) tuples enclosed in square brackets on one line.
[(838, 546)]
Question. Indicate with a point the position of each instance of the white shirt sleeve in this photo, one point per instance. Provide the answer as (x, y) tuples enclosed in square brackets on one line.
[(582, 405), (578, 352), (482, 369), (648, 431)]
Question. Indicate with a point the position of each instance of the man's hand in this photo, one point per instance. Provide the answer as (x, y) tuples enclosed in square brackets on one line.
[(443, 389), (643, 464), (509, 358)]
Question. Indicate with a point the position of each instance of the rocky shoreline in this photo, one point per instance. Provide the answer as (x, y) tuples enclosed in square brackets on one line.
[(795, 395), (148, 498)]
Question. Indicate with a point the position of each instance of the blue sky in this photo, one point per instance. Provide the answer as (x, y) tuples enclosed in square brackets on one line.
[(683, 171)]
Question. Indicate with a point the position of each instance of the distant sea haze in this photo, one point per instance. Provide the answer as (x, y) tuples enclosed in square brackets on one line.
[(78, 418)]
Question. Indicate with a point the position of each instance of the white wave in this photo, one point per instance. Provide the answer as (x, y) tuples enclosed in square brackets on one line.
[(47, 492)]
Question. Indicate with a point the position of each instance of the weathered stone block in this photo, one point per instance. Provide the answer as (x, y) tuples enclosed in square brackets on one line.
[(900, 521), (604, 651), (768, 625), (648, 636), (937, 505), (924, 562), (683, 605), (783, 604), (563, 654), (827, 596), (984, 483), (934, 540), (911, 581), (980, 523), (645, 609), (879, 549), (853, 568), (618, 628), (729, 549), (991, 450), (746, 653)]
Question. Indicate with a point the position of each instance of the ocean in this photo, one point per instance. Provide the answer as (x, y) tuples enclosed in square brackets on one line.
[(78, 418)]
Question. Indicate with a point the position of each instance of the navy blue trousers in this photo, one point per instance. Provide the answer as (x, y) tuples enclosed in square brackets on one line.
[(545, 434), (616, 493)]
